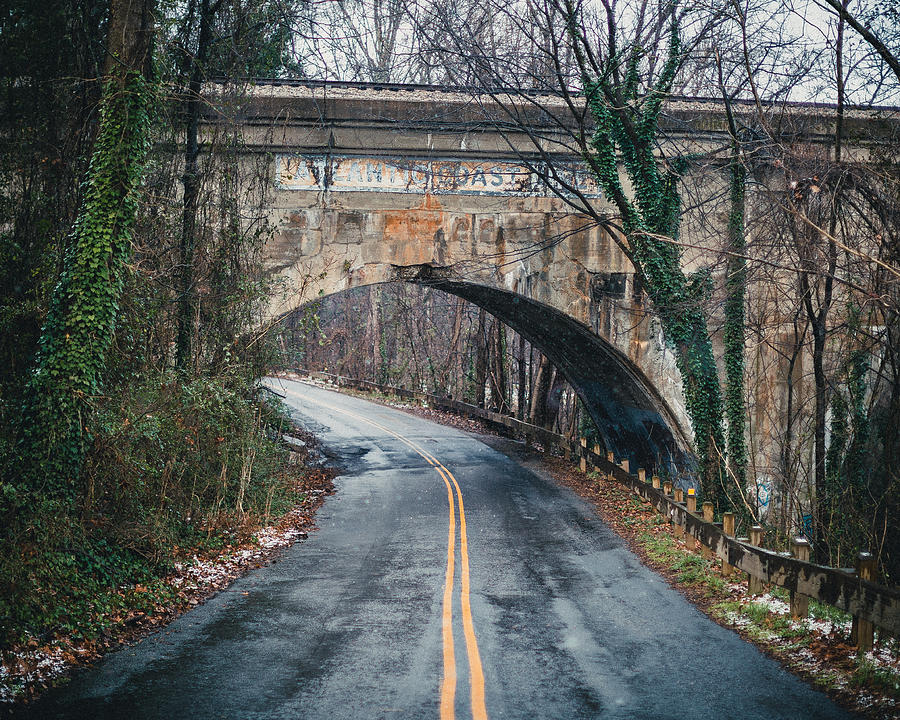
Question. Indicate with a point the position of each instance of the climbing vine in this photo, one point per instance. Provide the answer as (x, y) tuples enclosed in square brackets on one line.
[(625, 128), (733, 330), (82, 316), (846, 464)]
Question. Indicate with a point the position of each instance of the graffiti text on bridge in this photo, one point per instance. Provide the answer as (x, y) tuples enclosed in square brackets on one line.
[(422, 175)]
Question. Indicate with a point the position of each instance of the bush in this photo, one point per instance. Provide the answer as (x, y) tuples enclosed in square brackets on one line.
[(171, 464)]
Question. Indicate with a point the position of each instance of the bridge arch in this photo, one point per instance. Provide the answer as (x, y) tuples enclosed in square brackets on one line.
[(631, 416)]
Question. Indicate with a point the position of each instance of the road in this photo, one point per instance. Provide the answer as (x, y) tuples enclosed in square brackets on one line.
[(445, 581)]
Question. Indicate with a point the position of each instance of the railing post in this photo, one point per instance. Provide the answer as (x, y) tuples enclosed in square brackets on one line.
[(655, 481), (799, 601), (679, 498), (624, 464), (755, 585), (709, 514), (667, 488), (728, 529), (610, 457), (642, 475), (692, 508), (862, 634)]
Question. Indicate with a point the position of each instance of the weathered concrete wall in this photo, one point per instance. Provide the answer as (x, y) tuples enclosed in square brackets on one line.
[(495, 252)]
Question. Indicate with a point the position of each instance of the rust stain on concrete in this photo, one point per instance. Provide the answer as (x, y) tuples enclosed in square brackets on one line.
[(413, 233)]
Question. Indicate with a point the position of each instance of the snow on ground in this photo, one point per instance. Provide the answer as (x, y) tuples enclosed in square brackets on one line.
[(34, 666)]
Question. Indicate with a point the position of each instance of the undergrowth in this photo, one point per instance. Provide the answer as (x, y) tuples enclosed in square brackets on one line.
[(172, 467)]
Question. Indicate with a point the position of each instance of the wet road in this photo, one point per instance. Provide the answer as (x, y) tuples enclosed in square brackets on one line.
[(372, 617)]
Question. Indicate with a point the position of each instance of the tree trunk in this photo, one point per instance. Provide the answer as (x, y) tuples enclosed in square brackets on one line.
[(481, 361), (84, 306), (520, 400), (191, 183), (541, 389), (499, 401)]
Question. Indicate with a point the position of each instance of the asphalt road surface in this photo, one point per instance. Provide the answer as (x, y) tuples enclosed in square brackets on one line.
[(445, 581)]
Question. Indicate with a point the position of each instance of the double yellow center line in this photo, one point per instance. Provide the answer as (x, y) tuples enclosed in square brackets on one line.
[(476, 675)]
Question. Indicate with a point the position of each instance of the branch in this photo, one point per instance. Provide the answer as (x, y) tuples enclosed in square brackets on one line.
[(867, 35)]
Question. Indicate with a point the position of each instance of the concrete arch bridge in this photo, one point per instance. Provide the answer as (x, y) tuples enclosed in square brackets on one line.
[(373, 184)]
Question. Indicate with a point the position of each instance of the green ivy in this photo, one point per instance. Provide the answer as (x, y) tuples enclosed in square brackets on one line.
[(650, 221), (82, 316), (733, 330)]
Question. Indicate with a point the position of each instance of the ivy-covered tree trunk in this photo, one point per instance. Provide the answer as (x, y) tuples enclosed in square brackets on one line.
[(625, 127), (733, 330), (81, 320)]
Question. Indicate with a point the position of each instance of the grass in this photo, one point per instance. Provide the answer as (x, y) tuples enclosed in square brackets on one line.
[(869, 675), (690, 569)]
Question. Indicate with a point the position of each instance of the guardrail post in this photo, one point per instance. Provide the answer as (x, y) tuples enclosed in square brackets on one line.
[(728, 529), (582, 462), (691, 501), (642, 475), (679, 498), (667, 488), (799, 601), (610, 457), (862, 634), (655, 481), (709, 514), (755, 585), (624, 465)]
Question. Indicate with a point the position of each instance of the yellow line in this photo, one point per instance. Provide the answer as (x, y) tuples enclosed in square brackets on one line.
[(476, 673), (448, 682)]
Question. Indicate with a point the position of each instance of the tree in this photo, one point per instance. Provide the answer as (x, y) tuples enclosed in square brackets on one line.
[(612, 95), (84, 306), (886, 11)]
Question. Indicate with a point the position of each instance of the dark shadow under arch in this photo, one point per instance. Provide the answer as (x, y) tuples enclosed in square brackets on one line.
[(631, 416)]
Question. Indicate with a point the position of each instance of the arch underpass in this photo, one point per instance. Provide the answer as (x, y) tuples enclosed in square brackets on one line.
[(371, 185), (374, 183), (631, 417)]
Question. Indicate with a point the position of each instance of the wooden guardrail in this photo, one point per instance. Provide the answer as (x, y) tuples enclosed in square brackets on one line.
[(854, 591)]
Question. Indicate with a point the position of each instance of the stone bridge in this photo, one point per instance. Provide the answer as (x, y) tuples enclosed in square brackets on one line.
[(374, 184)]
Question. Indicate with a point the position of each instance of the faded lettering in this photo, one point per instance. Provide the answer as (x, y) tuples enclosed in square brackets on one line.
[(463, 177)]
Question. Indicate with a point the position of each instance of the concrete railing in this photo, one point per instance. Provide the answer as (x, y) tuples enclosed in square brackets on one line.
[(870, 604)]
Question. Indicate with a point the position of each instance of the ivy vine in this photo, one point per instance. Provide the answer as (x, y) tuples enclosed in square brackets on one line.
[(733, 330), (625, 129), (81, 320)]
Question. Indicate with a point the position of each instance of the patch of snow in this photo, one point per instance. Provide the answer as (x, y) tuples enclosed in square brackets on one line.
[(779, 607)]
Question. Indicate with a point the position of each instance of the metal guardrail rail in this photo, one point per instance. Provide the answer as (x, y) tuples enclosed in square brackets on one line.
[(868, 601)]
